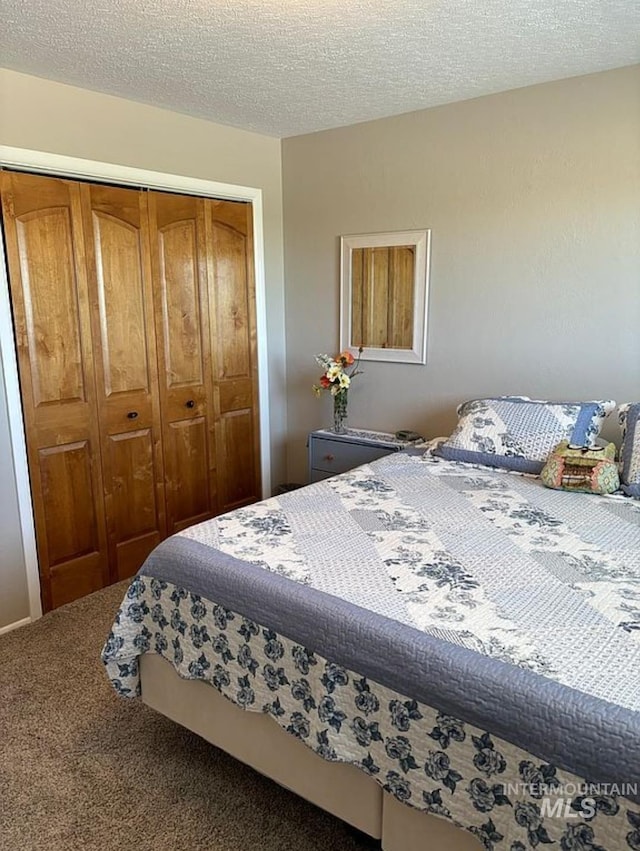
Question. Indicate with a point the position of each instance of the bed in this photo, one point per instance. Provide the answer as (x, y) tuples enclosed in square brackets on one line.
[(446, 656)]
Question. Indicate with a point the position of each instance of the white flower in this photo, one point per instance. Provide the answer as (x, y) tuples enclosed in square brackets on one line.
[(345, 381), (324, 361)]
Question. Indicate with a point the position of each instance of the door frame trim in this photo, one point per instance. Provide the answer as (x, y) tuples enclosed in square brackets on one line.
[(58, 165)]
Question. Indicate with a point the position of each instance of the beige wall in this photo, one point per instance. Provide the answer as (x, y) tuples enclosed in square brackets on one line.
[(46, 116), (14, 602), (533, 198)]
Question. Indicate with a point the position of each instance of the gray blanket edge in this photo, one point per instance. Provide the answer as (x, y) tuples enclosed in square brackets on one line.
[(595, 740)]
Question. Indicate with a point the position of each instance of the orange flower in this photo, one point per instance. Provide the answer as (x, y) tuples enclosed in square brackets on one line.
[(346, 358)]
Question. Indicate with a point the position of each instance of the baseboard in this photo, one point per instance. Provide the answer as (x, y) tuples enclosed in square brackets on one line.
[(15, 625)]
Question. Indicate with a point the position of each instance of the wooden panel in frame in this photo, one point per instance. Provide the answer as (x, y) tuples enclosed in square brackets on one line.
[(384, 295)]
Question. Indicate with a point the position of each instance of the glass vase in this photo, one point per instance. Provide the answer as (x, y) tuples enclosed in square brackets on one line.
[(340, 412)]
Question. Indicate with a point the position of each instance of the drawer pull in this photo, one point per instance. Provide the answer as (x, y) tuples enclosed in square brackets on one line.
[(329, 457), (132, 415), (190, 403)]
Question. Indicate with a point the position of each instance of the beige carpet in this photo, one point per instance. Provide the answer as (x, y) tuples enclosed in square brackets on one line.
[(81, 768)]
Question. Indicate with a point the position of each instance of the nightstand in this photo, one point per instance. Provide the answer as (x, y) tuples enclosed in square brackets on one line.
[(331, 453)]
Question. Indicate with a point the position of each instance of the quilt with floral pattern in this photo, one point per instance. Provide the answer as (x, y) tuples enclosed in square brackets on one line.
[(468, 638)]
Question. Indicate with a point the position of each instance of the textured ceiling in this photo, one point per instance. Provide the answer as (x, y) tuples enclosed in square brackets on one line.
[(286, 67)]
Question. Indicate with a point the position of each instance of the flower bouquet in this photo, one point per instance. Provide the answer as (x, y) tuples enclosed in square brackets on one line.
[(337, 376)]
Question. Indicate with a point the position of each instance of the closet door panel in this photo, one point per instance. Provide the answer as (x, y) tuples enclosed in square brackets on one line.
[(135, 326), (118, 254), (236, 395), (180, 298), (182, 326), (189, 485), (134, 509), (232, 294), (51, 313), (232, 335), (67, 487), (47, 272), (238, 479), (72, 534)]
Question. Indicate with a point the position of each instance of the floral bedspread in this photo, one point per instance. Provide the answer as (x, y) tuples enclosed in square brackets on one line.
[(515, 592), (426, 759)]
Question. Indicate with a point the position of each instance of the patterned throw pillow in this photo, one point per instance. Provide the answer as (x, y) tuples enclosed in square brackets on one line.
[(581, 468), (517, 433), (629, 416)]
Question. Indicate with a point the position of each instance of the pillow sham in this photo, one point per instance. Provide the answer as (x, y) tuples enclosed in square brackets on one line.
[(629, 417), (517, 433)]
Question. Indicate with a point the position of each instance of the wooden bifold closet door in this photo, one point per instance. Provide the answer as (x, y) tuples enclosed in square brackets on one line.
[(134, 318)]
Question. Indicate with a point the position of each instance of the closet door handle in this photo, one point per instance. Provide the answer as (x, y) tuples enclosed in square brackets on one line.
[(190, 403), (132, 415)]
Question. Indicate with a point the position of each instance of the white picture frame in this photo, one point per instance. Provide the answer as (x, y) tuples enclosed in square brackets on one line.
[(420, 240)]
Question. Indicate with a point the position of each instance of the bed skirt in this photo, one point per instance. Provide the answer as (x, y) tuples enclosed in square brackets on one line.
[(257, 741)]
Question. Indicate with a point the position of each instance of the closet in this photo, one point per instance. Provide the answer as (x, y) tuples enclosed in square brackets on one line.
[(134, 318)]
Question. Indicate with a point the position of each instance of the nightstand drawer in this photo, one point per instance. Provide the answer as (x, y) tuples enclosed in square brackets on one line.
[(338, 456)]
